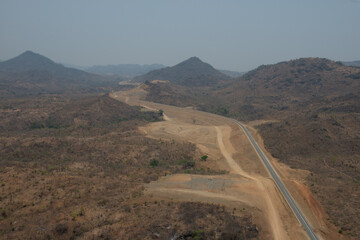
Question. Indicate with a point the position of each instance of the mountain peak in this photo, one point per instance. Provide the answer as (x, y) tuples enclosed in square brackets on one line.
[(192, 61), (191, 72), (28, 60), (31, 56), (29, 53)]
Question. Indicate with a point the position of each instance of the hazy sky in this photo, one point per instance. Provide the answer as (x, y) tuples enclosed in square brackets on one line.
[(234, 34)]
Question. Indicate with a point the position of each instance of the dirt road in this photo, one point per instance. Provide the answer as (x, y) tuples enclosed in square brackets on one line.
[(248, 184)]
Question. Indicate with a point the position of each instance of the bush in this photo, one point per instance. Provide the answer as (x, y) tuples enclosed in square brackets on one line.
[(203, 158), (189, 164), (61, 229), (51, 124), (199, 234), (36, 125), (222, 110), (3, 213), (74, 215), (154, 163)]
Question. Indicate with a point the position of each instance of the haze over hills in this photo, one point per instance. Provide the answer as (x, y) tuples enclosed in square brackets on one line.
[(134, 70), (191, 72), (232, 74), (352, 63), (78, 67), (181, 120), (312, 104), (124, 70), (30, 73)]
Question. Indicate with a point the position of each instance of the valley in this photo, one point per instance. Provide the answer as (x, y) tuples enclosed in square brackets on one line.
[(248, 185), (179, 120), (95, 157), (307, 112)]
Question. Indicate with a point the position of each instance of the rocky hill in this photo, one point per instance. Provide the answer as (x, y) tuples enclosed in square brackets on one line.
[(31, 74), (303, 77), (290, 86), (192, 72)]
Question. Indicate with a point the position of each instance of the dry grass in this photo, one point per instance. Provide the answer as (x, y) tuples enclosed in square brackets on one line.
[(85, 181)]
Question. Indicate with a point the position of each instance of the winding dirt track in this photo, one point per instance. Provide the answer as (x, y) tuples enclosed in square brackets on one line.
[(247, 185)]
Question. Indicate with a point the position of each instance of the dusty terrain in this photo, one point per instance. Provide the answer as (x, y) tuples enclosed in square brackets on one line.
[(89, 168), (75, 168), (247, 186)]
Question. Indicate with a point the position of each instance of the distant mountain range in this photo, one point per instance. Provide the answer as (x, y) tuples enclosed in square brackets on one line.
[(352, 63), (133, 70), (233, 74), (124, 70), (191, 72), (30, 73)]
